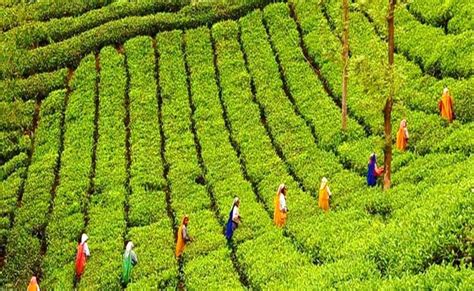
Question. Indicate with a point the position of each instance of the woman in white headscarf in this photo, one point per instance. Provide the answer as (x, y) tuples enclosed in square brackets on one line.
[(129, 260), (445, 106), (324, 195), (402, 136), (281, 210), (81, 255), (234, 219)]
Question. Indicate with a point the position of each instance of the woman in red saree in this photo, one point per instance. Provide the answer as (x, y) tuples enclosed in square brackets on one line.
[(81, 255)]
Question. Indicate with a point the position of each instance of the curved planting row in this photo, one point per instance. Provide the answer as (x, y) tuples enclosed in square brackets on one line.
[(34, 34), (436, 206), (418, 91), (16, 115), (453, 16), (439, 54), (302, 84), (150, 229), (267, 170), (42, 11), (16, 127), (288, 130), (67, 218), (12, 143), (18, 121), (27, 235), (16, 63), (229, 179), (318, 163), (188, 195), (378, 251), (103, 207), (36, 86), (315, 32), (13, 174)]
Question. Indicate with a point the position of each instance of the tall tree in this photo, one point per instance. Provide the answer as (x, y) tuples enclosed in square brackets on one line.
[(345, 60), (389, 102)]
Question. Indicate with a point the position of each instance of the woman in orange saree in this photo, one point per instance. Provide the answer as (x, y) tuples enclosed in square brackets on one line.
[(402, 136), (445, 106), (183, 237), (324, 194), (33, 286), (280, 213)]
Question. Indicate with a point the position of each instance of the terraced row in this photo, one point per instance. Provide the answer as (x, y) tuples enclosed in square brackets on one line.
[(437, 53), (454, 17), (428, 132), (179, 125), (16, 62)]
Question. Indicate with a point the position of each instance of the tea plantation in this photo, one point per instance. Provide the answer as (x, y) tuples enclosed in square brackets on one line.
[(117, 118)]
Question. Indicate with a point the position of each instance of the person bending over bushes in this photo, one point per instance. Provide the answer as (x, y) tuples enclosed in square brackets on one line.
[(373, 171)]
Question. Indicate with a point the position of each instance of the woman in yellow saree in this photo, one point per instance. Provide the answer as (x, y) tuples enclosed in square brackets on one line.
[(280, 213), (324, 194)]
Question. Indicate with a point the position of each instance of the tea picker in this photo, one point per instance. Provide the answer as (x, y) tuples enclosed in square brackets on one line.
[(445, 106), (402, 136), (373, 171), (81, 255), (33, 286), (324, 195), (183, 237), (281, 210), (234, 219), (129, 261)]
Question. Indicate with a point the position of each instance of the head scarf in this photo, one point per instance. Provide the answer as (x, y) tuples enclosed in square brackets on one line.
[(84, 238), (236, 200), (373, 159), (445, 91), (324, 182), (403, 123), (184, 218), (128, 248), (371, 178), (281, 188)]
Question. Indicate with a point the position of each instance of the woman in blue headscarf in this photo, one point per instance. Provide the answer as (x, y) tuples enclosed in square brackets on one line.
[(373, 171), (234, 219)]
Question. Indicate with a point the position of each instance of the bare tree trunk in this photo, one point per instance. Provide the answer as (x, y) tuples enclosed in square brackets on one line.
[(389, 102), (345, 61)]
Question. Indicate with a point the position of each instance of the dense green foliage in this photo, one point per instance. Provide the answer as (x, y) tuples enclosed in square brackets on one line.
[(120, 117), (438, 53), (45, 10), (16, 62), (452, 16)]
